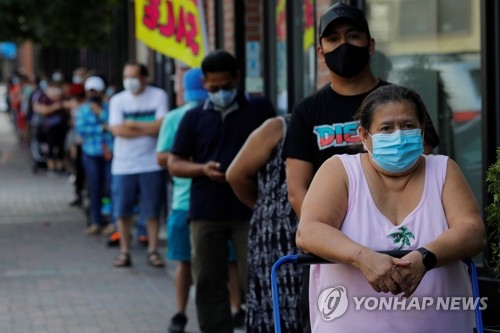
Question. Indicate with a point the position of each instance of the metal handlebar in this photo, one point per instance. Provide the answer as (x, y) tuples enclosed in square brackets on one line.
[(314, 259)]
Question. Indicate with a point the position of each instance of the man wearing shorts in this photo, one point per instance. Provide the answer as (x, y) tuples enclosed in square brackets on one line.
[(135, 119)]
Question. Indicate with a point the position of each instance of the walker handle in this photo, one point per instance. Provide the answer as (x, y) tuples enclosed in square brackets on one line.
[(308, 259)]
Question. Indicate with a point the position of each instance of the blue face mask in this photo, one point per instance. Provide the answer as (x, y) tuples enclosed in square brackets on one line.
[(399, 151), (223, 98)]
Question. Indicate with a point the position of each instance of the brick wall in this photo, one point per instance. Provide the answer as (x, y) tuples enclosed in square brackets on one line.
[(209, 6), (253, 20), (228, 25)]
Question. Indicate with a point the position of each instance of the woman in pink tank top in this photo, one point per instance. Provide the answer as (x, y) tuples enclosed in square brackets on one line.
[(391, 198)]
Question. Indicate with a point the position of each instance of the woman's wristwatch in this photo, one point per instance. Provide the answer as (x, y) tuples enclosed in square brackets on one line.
[(428, 258)]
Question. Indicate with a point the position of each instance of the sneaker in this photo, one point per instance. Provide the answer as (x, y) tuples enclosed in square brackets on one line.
[(94, 229), (114, 239), (239, 318), (108, 230), (177, 323)]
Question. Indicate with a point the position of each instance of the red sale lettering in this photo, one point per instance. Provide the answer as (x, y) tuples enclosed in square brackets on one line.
[(191, 34), (183, 26), (151, 14), (308, 13), (168, 29)]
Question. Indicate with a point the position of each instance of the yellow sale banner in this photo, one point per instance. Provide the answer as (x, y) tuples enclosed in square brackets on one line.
[(175, 28), (281, 23)]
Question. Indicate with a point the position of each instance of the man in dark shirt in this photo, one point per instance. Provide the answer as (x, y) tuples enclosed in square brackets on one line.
[(208, 139)]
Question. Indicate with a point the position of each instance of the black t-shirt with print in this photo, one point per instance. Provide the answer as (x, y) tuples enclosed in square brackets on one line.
[(322, 126)]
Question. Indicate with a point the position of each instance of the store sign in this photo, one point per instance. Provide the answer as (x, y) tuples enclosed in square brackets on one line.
[(175, 28), (308, 24)]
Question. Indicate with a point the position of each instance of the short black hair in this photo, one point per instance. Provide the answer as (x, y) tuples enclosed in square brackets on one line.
[(219, 61), (143, 70)]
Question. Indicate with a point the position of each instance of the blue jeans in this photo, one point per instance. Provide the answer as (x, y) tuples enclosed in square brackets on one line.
[(98, 173)]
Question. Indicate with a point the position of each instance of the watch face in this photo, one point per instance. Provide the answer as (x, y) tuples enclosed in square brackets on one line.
[(429, 260)]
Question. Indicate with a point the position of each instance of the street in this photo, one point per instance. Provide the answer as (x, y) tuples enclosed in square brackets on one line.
[(53, 279)]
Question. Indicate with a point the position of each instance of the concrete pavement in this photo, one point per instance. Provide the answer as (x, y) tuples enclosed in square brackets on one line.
[(55, 280)]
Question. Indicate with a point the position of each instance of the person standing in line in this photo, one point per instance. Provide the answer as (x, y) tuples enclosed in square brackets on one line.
[(179, 247), (390, 198), (322, 124), (91, 124), (135, 119), (76, 93), (257, 176), (54, 125), (76, 97), (208, 139)]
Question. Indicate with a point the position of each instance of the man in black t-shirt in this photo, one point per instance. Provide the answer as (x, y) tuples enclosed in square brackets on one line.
[(323, 124)]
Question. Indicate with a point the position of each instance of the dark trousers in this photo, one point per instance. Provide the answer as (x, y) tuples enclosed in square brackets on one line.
[(56, 136), (98, 172), (79, 172), (210, 261)]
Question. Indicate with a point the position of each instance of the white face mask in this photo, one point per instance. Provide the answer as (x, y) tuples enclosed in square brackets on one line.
[(57, 77), (132, 84), (77, 79)]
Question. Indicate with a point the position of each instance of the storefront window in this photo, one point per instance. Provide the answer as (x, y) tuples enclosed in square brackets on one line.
[(438, 54)]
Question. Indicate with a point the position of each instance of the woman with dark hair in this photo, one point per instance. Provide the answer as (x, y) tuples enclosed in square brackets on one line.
[(257, 176), (390, 198), (54, 124)]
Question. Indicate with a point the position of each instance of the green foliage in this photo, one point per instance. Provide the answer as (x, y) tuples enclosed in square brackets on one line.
[(493, 212), (58, 23)]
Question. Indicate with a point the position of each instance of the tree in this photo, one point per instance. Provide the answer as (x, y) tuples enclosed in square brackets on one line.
[(58, 23)]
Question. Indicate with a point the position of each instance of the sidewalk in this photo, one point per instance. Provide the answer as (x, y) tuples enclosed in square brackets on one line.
[(55, 280)]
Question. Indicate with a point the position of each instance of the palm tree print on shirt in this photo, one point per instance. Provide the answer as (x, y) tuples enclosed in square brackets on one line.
[(402, 237)]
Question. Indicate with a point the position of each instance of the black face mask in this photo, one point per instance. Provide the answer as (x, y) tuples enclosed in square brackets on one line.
[(347, 60)]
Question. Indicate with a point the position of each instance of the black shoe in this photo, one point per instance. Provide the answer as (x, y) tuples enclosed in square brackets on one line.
[(177, 323), (76, 203), (239, 319)]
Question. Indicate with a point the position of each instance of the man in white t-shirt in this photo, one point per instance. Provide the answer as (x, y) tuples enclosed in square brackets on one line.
[(135, 119)]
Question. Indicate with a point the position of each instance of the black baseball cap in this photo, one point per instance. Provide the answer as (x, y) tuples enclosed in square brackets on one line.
[(343, 11)]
